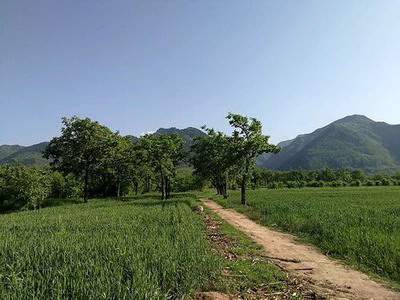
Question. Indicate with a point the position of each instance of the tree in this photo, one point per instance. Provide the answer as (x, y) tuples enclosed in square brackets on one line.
[(248, 143), (81, 149), (164, 152), (211, 159), (121, 161)]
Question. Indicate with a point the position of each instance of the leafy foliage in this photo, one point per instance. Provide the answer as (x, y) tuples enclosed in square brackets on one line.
[(23, 187), (248, 143), (81, 149), (164, 153), (211, 158), (215, 154)]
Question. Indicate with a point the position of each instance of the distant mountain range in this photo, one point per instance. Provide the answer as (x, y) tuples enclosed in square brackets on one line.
[(27, 155), (32, 155), (354, 142)]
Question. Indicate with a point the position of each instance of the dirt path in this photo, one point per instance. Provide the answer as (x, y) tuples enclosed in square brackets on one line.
[(327, 276)]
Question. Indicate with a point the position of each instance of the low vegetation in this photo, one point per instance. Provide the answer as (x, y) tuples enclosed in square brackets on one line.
[(263, 178), (360, 225), (106, 249)]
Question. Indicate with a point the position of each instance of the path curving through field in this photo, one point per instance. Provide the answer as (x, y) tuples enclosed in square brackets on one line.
[(327, 276)]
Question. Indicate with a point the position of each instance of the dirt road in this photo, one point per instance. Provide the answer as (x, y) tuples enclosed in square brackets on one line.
[(327, 276)]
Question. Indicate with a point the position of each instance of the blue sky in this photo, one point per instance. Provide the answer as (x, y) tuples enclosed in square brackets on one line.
[(140, 65)]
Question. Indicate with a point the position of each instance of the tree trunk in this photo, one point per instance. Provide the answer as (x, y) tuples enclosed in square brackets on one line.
[(243, 190), (119, 189), (244, 183), (148, 184), (136, 188), (225, 189), (162, 186), (86, 187), (167, 188), (218, 188)]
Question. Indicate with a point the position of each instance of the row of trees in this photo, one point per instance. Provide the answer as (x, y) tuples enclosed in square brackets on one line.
[(109, 164), (220, 158), (106, 162)]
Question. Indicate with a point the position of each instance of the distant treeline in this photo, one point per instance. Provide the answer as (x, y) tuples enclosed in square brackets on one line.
[(319, 178)]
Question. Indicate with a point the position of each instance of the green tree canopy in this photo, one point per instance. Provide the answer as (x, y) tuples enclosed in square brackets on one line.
[(211, 159), (248, 142), (81, 149), (164, 153)]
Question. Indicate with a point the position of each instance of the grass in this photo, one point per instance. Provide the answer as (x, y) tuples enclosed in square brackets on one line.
[(139, 248), (106, 249), (358, 225)]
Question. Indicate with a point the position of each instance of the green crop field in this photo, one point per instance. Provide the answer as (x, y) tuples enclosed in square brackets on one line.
[(105, 249), (359, 225)]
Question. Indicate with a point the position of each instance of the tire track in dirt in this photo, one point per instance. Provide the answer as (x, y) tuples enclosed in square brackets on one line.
[(327, 276)]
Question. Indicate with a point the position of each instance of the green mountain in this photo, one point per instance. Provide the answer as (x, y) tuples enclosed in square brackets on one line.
[(30, 155), (354, 142), (6, 150), (188, 134)]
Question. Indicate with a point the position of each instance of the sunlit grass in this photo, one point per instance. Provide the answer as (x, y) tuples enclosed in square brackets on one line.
[(106, 249)]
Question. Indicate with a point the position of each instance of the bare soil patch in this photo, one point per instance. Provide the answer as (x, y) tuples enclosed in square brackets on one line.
[(294, 287)]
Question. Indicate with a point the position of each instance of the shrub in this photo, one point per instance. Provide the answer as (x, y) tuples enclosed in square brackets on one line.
[(185, 181), (23, 187), (64, 186), (369, 183), (356, 183), (292, 184), (276, 185), (316, 183)]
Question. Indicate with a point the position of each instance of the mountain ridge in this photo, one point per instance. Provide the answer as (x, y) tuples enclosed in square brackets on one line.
[(353, 142)]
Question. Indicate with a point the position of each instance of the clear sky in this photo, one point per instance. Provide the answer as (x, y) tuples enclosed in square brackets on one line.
[(140, 65)]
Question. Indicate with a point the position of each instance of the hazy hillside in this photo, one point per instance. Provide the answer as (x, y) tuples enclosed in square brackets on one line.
[(31, 155), (354, 142), (6, 150), (188, 134)]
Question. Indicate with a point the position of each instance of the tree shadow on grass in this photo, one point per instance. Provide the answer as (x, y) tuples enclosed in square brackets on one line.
[(163, 203), (7, 208), (154, 196)]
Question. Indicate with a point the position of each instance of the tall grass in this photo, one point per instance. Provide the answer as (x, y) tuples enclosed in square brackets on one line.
[(360, 225), (104, 250)]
